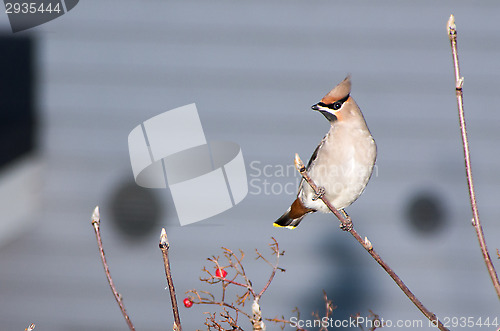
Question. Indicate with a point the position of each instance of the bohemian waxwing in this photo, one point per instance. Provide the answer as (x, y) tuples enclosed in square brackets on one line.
[(343, 161)]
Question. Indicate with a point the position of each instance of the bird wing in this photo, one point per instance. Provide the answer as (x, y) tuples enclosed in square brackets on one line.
[(314, 155), (311, 162)]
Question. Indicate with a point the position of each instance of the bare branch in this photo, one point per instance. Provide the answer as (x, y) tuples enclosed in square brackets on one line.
[(375, 321), (459, 81), (329, 307), (211, 322), (227, 318), (279, 320), (235, 262), (276, 252), (346, 225), (164, 247), (237, 277), (210, 300), (96, 222), (256, 320)]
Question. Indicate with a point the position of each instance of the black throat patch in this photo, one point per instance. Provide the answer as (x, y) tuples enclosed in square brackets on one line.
[(329, 116)]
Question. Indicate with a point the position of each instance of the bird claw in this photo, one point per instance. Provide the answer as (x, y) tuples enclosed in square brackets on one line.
[(320, 194), (346, 226)]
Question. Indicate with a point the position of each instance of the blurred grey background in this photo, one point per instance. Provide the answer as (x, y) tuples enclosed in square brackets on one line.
[(253, 69)]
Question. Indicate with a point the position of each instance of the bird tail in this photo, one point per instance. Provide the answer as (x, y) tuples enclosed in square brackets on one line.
[(292, 217)]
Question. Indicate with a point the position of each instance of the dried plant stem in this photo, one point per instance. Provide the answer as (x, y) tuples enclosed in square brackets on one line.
[(275, 247), (452, 34), (240, 279), (347, 226), (96, 220), (164, 246)]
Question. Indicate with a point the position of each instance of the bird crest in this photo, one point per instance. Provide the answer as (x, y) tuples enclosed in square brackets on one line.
[(339, 92)]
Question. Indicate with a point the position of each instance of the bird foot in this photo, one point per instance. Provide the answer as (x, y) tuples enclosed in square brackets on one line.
[(320, 194), (347, 225)]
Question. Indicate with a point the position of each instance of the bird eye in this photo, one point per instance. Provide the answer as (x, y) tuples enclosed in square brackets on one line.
[(336, 105)]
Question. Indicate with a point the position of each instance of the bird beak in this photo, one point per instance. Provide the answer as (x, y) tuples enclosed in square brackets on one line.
[(315, 107)]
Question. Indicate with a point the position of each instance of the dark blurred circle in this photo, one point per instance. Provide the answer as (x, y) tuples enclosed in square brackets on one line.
[(426, 213), (135, 210)]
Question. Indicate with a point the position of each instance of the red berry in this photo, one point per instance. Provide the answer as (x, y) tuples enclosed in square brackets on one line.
[(188, 303), (220, 273)]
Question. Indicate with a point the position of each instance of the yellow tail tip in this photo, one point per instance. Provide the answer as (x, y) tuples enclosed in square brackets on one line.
[(284, 226)]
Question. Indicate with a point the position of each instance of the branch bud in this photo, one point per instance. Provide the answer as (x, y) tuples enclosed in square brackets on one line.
[(96, 218), (368, 244), (452, 28), (163, 239)]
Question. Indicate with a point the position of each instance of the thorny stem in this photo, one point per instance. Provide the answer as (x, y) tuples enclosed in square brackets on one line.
[(240, 270), (211, 301), (347, 226), (328, 310), (276, 250), (164, 246), (97, 229), (211, 321), (452, 34), (235, 263)]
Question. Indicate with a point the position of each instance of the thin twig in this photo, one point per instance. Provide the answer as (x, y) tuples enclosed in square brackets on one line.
[(96, 222), (279, 320), (276, 251), (238, 267), (459, 81), (329, 307), (211, 301), (240, 279), (212, 322), (347, 226), (164, 246)]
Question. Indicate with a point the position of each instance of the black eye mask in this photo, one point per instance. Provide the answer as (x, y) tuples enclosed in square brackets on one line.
[(334, 106)]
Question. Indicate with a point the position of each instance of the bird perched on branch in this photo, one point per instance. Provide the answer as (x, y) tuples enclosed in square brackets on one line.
[(342, 163)]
